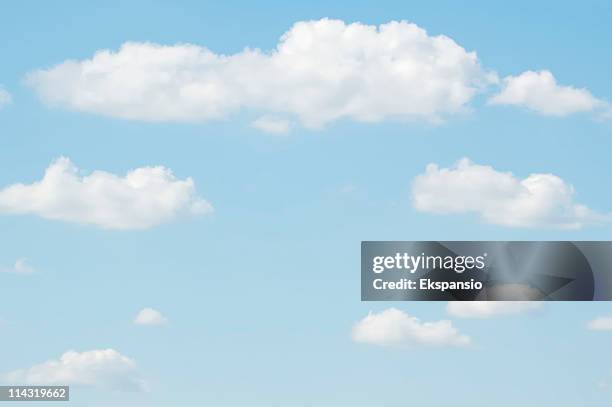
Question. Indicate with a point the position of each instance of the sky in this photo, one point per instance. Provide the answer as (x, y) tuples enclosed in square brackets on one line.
[(185, 187)]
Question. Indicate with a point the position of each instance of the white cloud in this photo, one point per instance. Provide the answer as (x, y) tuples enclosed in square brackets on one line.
[(21, 266), (5, 98), (540, 200), (320, 71), (149, 316), (600, 324), (272, 125), (540, 92), (143, 198), (393, 327), (490, 309), (106, 369)]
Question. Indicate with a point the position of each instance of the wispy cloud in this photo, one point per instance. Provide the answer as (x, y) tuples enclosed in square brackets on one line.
[(106, 369), (540, 92), (600, 324), (320, 71), (393, 327), (141, 199), (5, 98), (539, 200), (490, 309), (272, 125), (151, 317), (21, 266)]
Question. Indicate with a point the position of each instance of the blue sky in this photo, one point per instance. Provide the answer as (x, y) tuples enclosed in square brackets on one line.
[(261, 295)]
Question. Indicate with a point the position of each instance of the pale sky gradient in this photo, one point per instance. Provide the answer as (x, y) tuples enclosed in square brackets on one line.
[(250, 253)]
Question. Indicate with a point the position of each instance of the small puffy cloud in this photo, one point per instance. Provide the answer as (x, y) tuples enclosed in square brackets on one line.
[(143, 198), (393, 327), (320, 71), (272, 125), (149, 316), (5, 98), (106, 369), (21, 266), (490, 309), (600, 324), (539, 200), (540, 92)]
